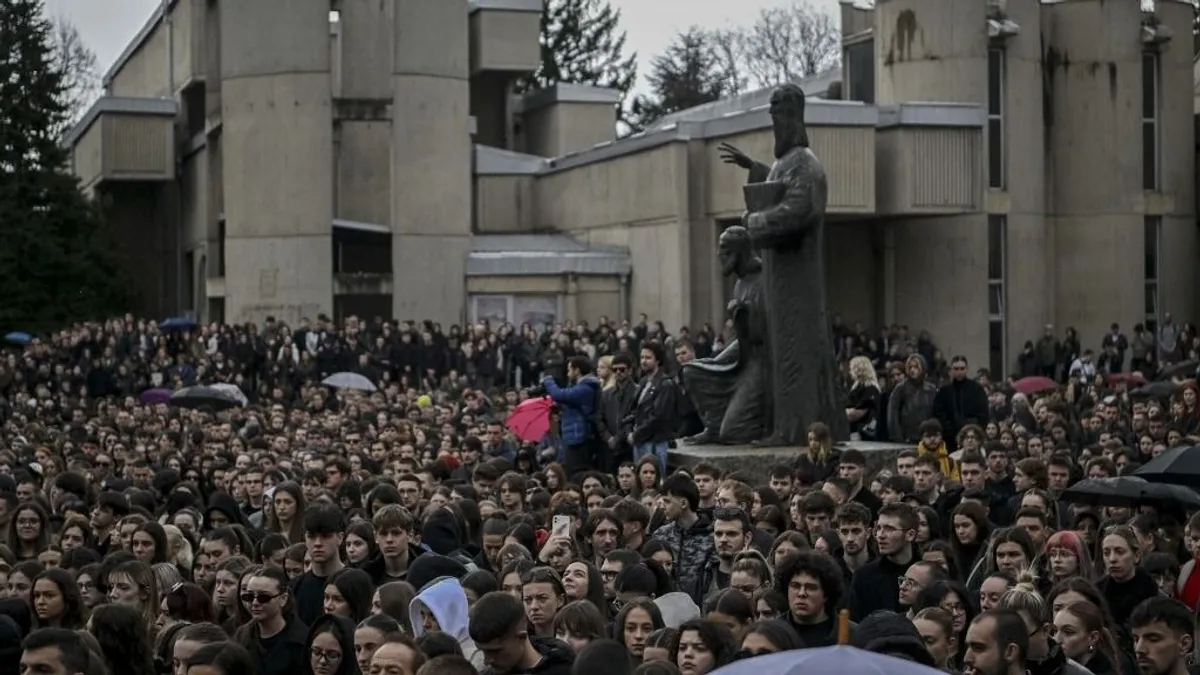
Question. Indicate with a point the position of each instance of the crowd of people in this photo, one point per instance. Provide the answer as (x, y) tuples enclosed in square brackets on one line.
[(409, 531)]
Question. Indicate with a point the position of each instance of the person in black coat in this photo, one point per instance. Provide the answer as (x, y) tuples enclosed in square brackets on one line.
[(960, 402)]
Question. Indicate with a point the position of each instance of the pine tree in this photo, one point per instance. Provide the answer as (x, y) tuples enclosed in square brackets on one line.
[(686, 75), (57, 261), (582, 43)]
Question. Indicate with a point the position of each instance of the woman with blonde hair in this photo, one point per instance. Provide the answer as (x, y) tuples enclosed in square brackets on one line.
[(863, 399), (1026, 601), (604, 371), (179, 549)]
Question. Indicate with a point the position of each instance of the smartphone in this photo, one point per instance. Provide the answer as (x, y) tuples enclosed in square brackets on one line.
[(561, 526)]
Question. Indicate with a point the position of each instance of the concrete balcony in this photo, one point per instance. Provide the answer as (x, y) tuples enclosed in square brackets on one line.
[(504, 36), (124, 139), (930, 159)]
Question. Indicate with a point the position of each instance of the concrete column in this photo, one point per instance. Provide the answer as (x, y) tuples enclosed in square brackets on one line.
[(431, 159), (1093, 84), (278, 159)]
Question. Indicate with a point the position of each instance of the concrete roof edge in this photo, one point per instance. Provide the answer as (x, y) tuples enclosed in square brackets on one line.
[(124, 105), (491, 161), (620, 148), (507, 5), (564, 92), (138, 40)]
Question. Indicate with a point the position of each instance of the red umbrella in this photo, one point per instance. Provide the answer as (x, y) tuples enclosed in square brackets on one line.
[(1134, 378), (1034, 385), (530, 420)]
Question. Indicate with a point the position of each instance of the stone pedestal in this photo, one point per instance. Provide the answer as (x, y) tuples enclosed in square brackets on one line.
[(754, 464)]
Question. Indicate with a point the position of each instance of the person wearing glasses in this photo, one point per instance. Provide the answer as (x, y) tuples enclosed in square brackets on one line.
[(275, 636), (876, 584), (331, 647), (918, 577), (616, 403)]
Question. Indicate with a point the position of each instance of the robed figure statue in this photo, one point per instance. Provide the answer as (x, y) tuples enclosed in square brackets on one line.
[(730, 389), (785, 217)]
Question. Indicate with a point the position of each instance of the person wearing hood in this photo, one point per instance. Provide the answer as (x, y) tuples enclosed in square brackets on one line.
[(331, 647), (892, 634), (442, 606), (578, 403), (222, 511), (441, 534), (500, 631), (910, 403)]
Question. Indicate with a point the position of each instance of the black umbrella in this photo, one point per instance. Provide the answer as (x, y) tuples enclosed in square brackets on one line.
[(1177, 466), (1130, 491), (1183, 369), (199, 397), (1155, 390)]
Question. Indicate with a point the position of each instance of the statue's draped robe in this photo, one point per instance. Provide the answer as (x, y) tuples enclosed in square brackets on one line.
[(790, 238), (730, 390)]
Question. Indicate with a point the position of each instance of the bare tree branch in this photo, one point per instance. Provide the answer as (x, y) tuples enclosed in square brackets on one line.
[(77, 62), (729, 46), (783, 44)]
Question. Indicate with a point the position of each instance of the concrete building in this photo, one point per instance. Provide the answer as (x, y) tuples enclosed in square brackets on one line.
[(994, 167)]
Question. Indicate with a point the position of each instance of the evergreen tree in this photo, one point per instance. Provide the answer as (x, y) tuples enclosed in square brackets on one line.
[(57, 261), (582, 43), (686, 75)]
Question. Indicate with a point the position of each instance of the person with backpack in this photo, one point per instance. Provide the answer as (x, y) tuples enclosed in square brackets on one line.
[(578, 404)]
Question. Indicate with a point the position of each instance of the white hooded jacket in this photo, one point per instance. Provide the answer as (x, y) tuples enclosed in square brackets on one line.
[(445, 599)]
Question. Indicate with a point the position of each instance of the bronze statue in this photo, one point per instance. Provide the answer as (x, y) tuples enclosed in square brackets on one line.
[(786, 220), (730, 389)]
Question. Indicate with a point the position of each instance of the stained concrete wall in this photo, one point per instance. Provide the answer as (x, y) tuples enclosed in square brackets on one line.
[(276, 110)]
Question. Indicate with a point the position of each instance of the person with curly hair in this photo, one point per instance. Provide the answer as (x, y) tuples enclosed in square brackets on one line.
[(812, 583)]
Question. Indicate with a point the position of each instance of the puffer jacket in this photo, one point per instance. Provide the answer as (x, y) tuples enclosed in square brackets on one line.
[(578, 404), (693, 548)]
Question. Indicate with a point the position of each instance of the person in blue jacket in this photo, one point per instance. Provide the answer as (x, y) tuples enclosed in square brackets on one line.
[(577, 404)]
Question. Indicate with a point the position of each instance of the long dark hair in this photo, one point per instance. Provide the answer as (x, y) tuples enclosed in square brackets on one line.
[(73, 612), (124, 639)]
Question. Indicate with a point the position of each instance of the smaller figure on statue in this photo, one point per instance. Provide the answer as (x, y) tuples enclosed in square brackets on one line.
[(730, 390)]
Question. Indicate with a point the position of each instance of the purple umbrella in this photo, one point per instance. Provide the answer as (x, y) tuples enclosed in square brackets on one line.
[(155, 396)]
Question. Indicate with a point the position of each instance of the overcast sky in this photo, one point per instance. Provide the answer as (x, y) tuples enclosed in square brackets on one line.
[(108, 25)]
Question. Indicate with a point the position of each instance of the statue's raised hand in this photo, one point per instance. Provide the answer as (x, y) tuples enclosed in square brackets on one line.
[(731, 155)]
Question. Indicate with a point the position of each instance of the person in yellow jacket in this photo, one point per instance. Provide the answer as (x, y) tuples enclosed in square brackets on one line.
[(932, 444)]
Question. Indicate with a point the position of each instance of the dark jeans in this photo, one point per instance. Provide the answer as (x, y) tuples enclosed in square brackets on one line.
[(582, 457)]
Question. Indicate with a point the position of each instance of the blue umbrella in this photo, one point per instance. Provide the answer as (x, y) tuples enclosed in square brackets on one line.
[(18, 337), (177, 323), (839, 660)]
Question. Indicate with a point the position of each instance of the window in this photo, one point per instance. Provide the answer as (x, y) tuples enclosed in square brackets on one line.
[(1151, 267), (361, 252), (995, 127), (216, 310), (860, 71), (221, 246), (1150, 131), (997, 263), (189, 281), (536, 310), (491, 308)]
